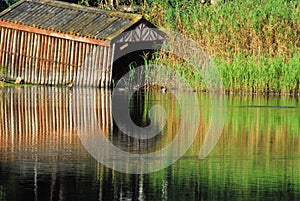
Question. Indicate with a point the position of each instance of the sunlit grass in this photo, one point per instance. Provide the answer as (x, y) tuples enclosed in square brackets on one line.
[(255, 44)]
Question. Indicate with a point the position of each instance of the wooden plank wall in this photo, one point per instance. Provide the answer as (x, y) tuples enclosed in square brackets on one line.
[(42, 59)]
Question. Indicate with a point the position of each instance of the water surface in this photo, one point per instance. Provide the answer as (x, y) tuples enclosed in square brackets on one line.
[(42, 157)]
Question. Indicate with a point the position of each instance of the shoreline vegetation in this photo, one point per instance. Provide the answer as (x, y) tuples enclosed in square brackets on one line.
[(255, 45)]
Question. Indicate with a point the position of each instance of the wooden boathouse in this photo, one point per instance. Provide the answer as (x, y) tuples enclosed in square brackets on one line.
[(56, 43)]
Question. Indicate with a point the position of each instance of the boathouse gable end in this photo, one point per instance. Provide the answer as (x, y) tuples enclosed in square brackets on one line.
[(57, 43), (142, 31)]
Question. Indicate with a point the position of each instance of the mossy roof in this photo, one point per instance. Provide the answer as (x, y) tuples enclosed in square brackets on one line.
[(70, 18)]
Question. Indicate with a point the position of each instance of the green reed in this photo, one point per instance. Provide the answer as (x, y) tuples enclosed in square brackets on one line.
[(255, 44)]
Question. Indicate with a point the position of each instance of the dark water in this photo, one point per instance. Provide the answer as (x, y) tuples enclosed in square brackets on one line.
[(42, 157)]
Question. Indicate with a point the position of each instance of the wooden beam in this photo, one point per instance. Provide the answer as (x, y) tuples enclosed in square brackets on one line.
[(53, 33)]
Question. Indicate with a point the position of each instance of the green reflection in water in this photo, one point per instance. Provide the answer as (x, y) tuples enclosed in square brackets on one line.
[(41, 157), (258, 156)]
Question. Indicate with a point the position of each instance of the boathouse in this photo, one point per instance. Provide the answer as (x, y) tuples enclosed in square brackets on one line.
[(56, 43)]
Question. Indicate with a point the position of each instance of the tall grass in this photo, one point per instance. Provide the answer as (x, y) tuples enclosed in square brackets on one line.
[(253, 27), (255, 44), (261, 75)]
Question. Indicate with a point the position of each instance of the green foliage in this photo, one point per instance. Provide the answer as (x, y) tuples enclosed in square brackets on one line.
[(6, 3), (112, 4), (269, 27), (270, 75), (2, 193), (2, 71)]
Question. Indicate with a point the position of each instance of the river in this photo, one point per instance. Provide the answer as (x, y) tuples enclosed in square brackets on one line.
[(42, 156)]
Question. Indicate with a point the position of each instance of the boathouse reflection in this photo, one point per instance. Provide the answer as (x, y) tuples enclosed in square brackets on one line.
[(39, 134)]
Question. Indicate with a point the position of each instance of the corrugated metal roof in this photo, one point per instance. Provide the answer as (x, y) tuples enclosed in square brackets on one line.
[(70, 18)]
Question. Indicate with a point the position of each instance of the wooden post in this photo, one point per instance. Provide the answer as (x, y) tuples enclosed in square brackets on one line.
[(67, 62), (104, 67), (75, 63), (71, 67), (90, 65), (2, 43), (7, 50), (41, 59), (21, 54), (13, 53), (33, 58), (85, 65), (112, 62), (26, 56), (96, 70), (51, 61), (107, 66), (96, 62), (30, 63), (101, 66), (37, 55), (61, 62), (43, 62)]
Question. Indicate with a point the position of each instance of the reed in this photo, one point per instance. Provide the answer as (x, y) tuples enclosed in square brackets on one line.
[(261, 75), (255, 45)]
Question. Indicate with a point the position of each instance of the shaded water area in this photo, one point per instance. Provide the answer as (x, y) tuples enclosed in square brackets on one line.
[(42, 157)]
